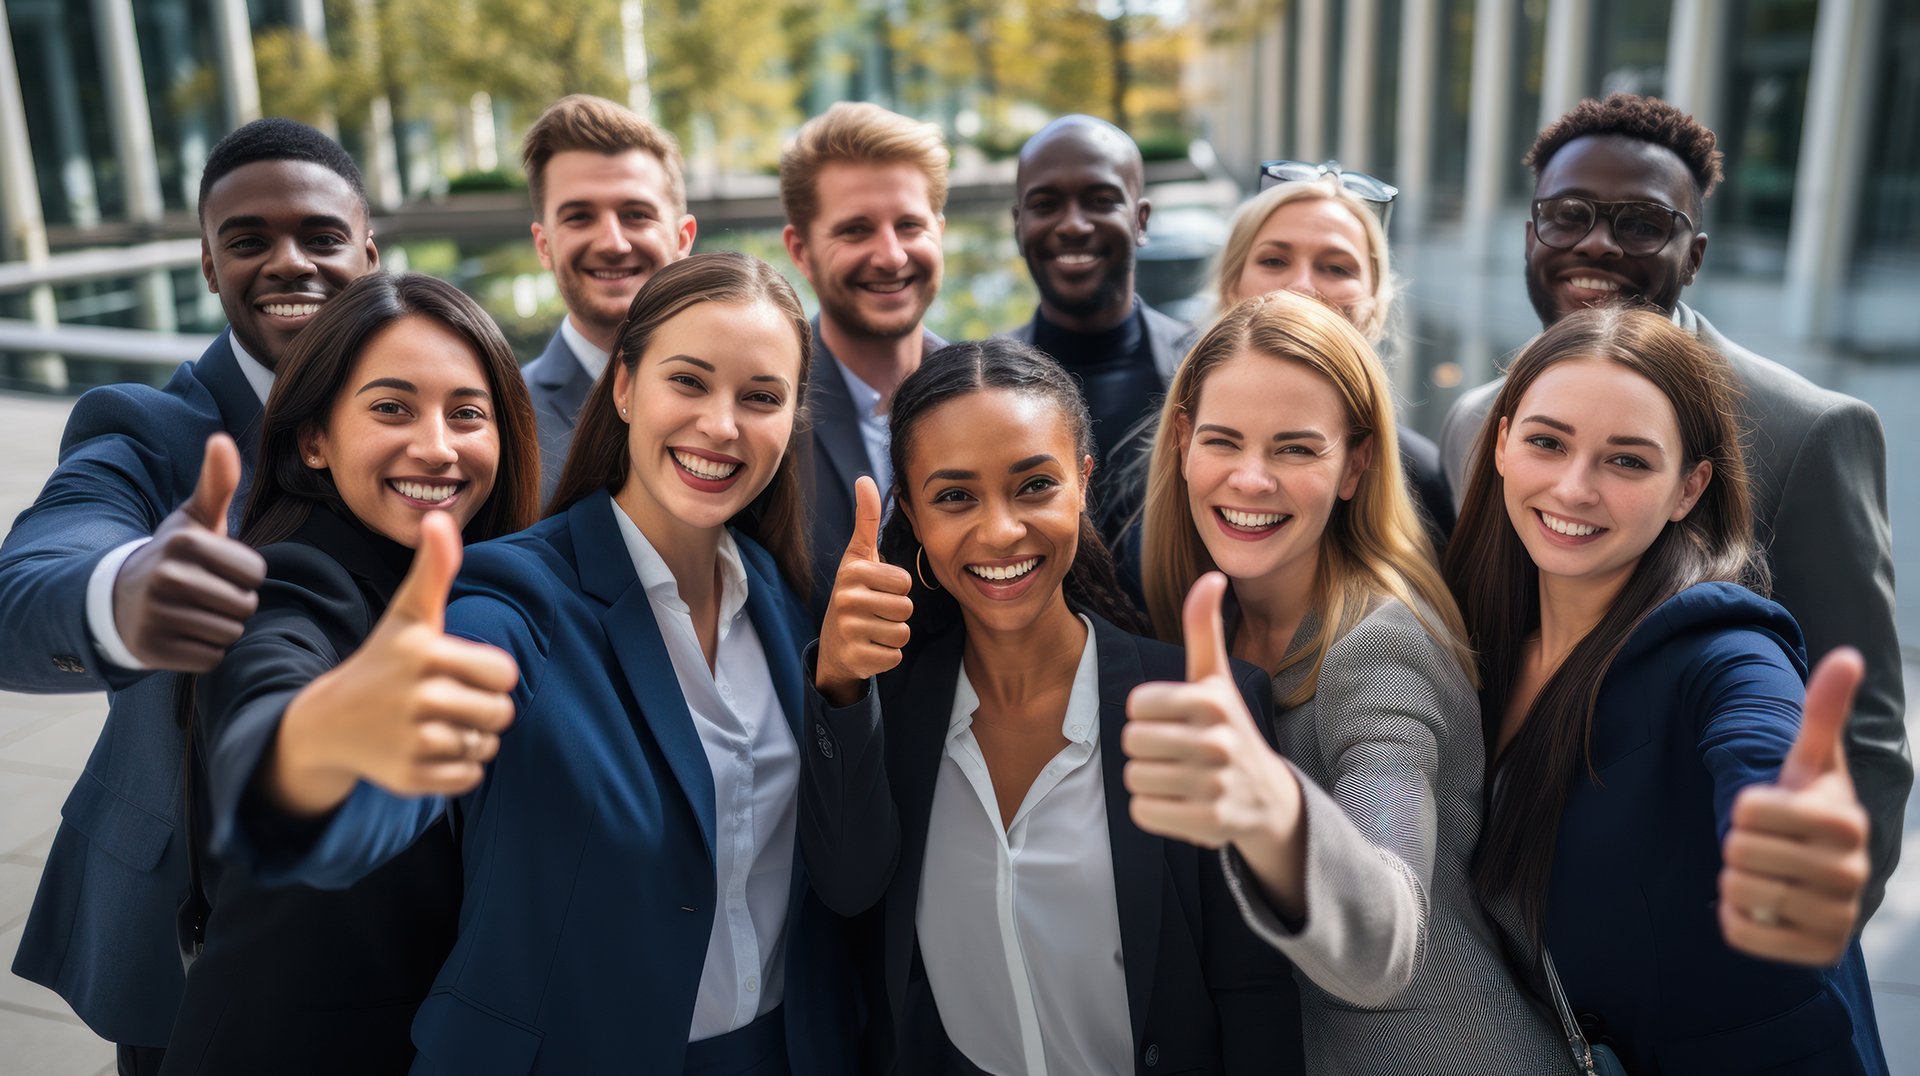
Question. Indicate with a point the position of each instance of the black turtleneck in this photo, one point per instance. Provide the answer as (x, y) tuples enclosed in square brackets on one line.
[(1118, 380)]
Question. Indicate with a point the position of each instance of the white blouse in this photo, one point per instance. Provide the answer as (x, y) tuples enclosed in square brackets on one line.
[(1019, 928), (756, 785)]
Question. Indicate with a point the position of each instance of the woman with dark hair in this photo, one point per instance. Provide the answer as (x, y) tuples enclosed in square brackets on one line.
[(1024, 924), (1660, 812), (399, 403), (633, 900)]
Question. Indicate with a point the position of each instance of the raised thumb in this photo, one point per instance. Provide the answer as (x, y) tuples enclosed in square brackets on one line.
[(422, 597), (219, 478), (1820, 746), (1206, 634), (866, 520)]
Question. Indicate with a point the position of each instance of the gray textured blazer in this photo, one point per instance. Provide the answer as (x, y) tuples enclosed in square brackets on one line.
[(558, 384), (1817, 465), (1399, 969)]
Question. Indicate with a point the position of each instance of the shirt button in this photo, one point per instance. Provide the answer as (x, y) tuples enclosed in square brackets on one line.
[(1153, 1055), (726, 690), (1077, 729), (753, 984)]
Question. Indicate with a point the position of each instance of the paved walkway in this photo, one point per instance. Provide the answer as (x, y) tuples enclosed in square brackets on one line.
[(44, 741)]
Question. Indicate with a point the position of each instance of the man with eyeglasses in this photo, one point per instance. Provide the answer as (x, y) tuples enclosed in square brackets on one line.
[(1616, 217)]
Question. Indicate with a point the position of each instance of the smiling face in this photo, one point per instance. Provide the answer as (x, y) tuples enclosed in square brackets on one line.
[(1265, 455), (608, 222), (872, 253), (1593, 471), (1613, 168), (1315, 247), (411, 432), (710, 409), (278, 239), (1078, 222), (995, 491)]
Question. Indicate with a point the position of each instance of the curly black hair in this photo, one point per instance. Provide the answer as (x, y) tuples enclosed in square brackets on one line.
[(277, 139), (1646, 118)]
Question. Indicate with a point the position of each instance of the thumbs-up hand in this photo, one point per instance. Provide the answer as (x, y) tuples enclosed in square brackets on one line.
[(181, 599), (413, 710), (1795, 859), (866, 624), (1200, 771)]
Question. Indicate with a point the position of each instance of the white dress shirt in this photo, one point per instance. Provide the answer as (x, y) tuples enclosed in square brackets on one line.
[(590, 357), (873, 427), (106, 636), (1019, 928), (756, 784)]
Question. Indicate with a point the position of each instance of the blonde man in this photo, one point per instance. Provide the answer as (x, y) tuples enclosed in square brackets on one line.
[(610, 209), (864, 190)]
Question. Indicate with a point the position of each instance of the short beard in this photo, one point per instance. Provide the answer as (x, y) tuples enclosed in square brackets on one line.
[(1114, 290), (852, 322)]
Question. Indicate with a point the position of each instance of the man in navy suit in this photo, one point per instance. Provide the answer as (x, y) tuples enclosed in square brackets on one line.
[(611, 209), (122, 574), (864, 190)]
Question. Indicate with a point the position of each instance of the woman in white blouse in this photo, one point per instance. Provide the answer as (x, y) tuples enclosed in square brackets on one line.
[(972, 794)]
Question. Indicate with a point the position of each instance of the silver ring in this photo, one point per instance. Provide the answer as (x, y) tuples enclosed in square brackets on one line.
[(1767, 916), (469, 742)]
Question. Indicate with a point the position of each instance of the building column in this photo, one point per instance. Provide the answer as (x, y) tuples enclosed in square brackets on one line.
[(633, 49), (69, 128), (1419, 70), (311, 17), (1270, 76), (126, 93), (1357, 118), (233, 46), (26, 234), (382, 166), (1830, 178), (1563, 71), (1490, 112), (1695, 58), (1310, 87)]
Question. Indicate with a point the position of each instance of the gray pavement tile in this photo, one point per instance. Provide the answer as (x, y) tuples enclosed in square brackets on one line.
[(63, 739), (32, 804), (38, 1046)]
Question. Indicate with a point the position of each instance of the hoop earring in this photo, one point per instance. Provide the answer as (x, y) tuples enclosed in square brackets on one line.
[(919, 559)]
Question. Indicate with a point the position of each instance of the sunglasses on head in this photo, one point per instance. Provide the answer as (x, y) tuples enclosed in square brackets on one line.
[(1640, 228), (1370, 189)]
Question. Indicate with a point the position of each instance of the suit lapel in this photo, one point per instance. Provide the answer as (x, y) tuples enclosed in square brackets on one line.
[(606, 572), (1139, 858), (219, 371), (562, 379), (836, 427), (915, 718)]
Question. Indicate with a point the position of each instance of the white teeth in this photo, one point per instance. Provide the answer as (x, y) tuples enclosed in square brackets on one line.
[(1593, 283), (1251, 520), (610, 274), (1006, 572), (701, 467), (1075, 259), (886, 287), (422, 491), (292, 310), (1568, 527)]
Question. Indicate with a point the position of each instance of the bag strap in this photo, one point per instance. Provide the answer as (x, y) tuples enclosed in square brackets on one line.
[(1576, 1039)]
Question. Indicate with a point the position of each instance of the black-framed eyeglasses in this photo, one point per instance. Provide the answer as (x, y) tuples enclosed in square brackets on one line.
[(1640, 228), (1363, 186)]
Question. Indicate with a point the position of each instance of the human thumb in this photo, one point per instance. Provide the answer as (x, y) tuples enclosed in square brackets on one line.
[(219, 478), (1206, 634), (422, 597), (1820, 746), (866, 521)]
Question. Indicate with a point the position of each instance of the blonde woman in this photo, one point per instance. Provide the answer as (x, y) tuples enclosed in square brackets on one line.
[(1277, 464)]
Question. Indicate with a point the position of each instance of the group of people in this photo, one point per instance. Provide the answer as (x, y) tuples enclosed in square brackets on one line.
[(728, 692)]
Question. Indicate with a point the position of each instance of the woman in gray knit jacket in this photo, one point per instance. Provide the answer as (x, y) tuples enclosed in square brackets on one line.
[(1276, 463)]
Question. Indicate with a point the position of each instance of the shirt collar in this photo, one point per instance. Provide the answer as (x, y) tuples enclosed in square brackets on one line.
[(591, 358), (866, 398), (258, 377), (658, 579), (1080, 724)]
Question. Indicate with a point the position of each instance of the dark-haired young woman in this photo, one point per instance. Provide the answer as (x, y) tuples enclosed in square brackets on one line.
[(1659, 812), (1024, 923), (401, 400), (633, 901)]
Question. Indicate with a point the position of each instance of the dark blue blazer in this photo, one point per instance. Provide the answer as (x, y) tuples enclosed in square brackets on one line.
[(559, 385), (588, 850), (1702, 701), (101, 931), (1204, 993)]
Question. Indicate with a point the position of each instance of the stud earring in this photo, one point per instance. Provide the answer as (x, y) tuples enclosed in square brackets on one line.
[(919, 561)]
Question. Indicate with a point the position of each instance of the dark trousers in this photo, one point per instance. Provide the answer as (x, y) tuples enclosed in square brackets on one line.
[(759, 1049), (139, 1060)]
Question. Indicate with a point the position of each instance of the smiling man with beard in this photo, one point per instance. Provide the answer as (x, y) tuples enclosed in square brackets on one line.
[(1619, 191), (1078, 219), (611, 209), (863, 189), (122, 574)]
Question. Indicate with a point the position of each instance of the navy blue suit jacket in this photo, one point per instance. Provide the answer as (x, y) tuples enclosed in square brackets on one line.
[(559, 385), (1204, 993), (588, 850), (1702, 701), (101, 931)]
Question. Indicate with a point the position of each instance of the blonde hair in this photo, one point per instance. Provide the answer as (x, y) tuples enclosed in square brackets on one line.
[(858, 133), (1252, 216), (596, 125), (1374, 545)]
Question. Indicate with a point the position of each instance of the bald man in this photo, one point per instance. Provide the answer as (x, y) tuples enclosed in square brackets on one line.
[(1079, 217)]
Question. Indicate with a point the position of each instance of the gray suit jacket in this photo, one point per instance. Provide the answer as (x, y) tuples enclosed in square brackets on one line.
[(1399, 968), (559, 385), (1817, 461)]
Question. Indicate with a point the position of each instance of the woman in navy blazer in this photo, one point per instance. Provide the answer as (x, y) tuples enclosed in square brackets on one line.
[(1640, 703), (620, 839), (972, 797)]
